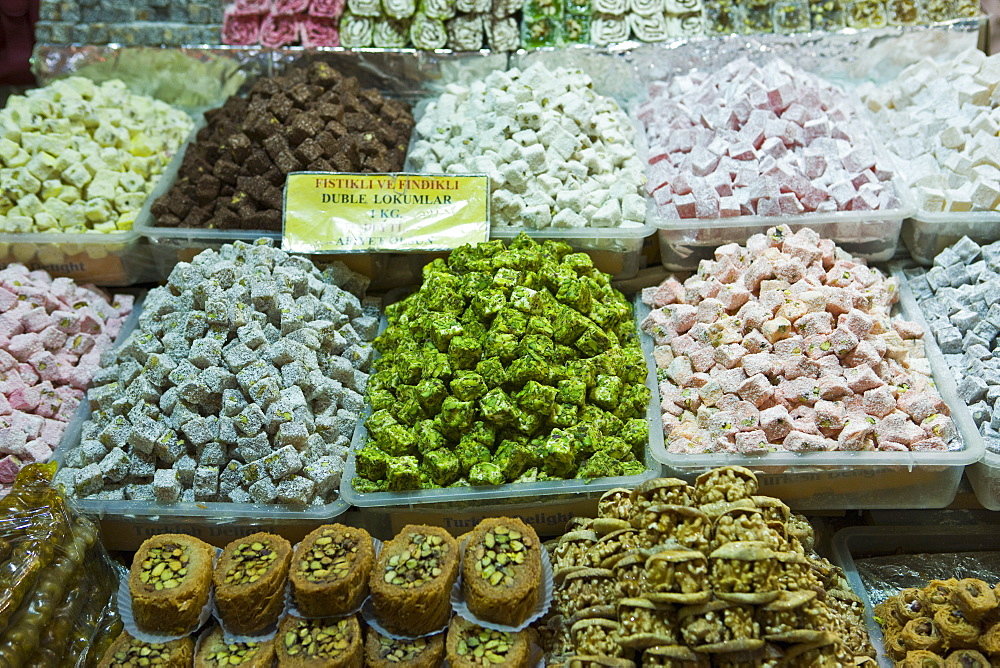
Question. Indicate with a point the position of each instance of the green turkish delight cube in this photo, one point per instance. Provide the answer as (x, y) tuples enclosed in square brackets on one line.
[(571, 391), (443, 329), (633, 367), (540, 325), (583, 370), (558, 458), (492, 371), (634, 402), (505, 279), (397, 440), (465, 352), (474, 327), (500, 344), (370, 462), (536, 346), (441, 466), (523, 369), (607, 391), (563, 354), (527, 422), (430, 393), (409, 367), (569, 325), (428, 437), (564, 415), (437, 365), (635, 432), (489, 302), (536, 397), (380, 399), (486, 473), (379, 422), (616, 447), (575, 294), (593, 341), (513, 457), (470, 454), (364, 486), (510, 320), (481, 432), (456, 414), (608, 315), (468, 386), (497, 407), (403, 473), (586, 439), (475, 282), (442, 293), (525, 299), (600, 465)]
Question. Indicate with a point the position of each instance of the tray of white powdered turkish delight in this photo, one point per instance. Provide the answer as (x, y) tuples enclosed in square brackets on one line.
[(792, 358)]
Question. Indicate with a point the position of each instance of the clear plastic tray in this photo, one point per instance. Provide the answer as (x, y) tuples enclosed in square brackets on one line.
[(209, 513), (872, 235), (871, 541), (842, 480), (926, 234), (985, 474), (513, 493)]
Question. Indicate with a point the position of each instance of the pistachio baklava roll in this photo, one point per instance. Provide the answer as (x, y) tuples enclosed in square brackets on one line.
[(170, 581), (385, 652), (250, 582), (320, 643), (330, 570), (412, 579), (921, 633), (127, 651), (974, 597), (471, 646), (215, 652), (502, 571), (955, 629)]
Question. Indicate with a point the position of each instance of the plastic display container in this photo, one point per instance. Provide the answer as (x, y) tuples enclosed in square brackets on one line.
[(200, 515), (872, 541), (114, 259), (985, 474), (841, 480), (872, 235), (513, 493), (926, 234)]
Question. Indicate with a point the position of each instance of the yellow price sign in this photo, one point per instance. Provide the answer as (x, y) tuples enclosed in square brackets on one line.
[(340, 213)]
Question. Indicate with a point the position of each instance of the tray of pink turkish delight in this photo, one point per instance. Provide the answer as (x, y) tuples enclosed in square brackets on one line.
[(790, 357), (746, 146)]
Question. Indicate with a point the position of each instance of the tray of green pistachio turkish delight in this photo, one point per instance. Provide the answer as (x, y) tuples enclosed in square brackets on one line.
[(513, 372)]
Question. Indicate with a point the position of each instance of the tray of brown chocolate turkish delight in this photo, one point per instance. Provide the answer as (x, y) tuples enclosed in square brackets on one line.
[(791, 358)]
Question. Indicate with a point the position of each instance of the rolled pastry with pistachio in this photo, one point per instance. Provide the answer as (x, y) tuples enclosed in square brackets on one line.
[(356, 31), (651, 28), (465, 32), (437, 9), (502, 34), (329, 642), (391, 33), (427, 33), (399, 9), (371, 8), (609, 29)]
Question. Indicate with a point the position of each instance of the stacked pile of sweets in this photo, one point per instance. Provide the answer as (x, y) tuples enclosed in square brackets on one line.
[(278, 23), (310, 118), (242, 383), (945, 623), (960, 297), (52, 335), (56, 583), (699, 576), (129, 22), (787, 344), (557, 153), (328, 576), (941, 122), (555, 23), (82, 157), (617, 21), (462, 25), (767, 140), (508, 365)]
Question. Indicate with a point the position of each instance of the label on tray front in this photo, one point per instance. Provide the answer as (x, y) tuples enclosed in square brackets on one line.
[(342, 213)]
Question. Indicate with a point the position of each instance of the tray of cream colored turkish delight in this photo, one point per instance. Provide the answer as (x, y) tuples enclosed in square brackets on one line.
[(818, 435), (880, 561), (528, 488)]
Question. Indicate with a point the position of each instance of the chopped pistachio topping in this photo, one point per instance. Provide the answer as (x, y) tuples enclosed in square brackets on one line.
[(504, 549), (330, 558), (233, 654), (250, 562), (165, 567), (419, 563), (400, 650), (139, 653), (484, 646), (318, 637)]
